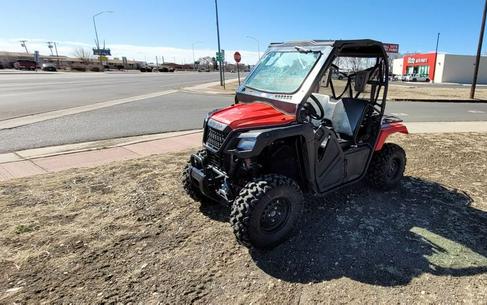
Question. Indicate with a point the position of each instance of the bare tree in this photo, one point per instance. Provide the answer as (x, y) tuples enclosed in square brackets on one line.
[(84, 54)]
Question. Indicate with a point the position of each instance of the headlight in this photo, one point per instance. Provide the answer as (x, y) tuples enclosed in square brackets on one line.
[(246, 144)]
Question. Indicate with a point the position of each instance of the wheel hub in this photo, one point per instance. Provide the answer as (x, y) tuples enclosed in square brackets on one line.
[(275, 215), (393, 169)]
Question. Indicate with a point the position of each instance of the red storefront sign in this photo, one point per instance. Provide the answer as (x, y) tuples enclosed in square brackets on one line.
[(417, 60)]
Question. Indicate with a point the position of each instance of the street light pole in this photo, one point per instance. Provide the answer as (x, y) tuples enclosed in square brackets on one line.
[(219, 50), (96, 31), (479, 50), (436, 57), (258, 45), (192, 46)]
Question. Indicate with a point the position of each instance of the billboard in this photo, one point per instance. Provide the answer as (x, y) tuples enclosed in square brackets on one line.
[(391, 47), (101, 52)]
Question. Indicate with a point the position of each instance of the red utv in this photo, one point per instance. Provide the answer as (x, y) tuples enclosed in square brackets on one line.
[(297, 127)]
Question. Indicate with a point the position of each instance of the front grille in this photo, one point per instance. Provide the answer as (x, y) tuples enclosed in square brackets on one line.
[(215, 138)]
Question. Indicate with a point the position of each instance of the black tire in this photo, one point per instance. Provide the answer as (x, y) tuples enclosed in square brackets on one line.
[(387, 167), (189, 187), (265, 211)]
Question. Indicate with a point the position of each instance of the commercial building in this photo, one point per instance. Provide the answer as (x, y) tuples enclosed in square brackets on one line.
[(444, 68), (7, 60)]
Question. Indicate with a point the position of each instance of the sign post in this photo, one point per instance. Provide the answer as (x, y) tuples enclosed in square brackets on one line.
[(237, 58), (36, 58)]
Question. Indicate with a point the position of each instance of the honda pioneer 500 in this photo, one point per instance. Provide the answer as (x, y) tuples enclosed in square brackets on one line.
[(308, 118)]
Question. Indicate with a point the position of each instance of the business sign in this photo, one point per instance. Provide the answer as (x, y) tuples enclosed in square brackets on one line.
[(391, 47), (101, 52), (412, 60)]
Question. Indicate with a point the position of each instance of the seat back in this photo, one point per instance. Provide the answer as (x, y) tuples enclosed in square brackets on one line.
[(355, 111), (345, 114)]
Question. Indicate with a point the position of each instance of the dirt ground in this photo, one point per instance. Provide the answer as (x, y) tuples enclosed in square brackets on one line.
[(126, 233), (410, 91)]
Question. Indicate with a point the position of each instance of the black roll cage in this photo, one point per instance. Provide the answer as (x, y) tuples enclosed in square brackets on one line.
[(362, 49)]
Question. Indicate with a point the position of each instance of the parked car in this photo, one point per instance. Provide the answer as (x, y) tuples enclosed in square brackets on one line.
[(25, 65), (166, 69), (416, 78), (49, 67)]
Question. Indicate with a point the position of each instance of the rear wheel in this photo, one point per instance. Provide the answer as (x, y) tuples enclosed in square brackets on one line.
[(387, 167), (266, 210)]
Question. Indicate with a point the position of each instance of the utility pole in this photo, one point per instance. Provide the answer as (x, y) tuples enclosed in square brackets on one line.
[(479, 51), (436, 58), (219, 50), (23, 44), (50, 46), (57, 55)]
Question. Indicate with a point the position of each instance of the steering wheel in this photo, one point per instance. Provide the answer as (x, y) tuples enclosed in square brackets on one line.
[(312, 109)]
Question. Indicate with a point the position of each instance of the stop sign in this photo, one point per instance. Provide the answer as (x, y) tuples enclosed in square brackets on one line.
[(237, 57)]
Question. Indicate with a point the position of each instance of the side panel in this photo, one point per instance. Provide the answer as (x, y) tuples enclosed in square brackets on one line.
[(355, 162), (387, 130), (329, 166)]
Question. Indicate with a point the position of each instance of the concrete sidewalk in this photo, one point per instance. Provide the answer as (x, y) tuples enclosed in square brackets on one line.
[(53, 159)]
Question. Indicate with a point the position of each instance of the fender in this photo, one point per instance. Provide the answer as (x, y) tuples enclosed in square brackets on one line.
[(388, 129)]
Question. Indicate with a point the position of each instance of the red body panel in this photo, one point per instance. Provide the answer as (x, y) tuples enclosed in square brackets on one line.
[(252, 115), (387, 130)]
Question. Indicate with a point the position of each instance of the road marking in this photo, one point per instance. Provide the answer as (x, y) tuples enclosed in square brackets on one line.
[(30, 119), (476, 111), (399, 114)]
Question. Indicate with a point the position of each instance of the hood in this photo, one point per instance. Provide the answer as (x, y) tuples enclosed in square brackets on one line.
[(252, 115)]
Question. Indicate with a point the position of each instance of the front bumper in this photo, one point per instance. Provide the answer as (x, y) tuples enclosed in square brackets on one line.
[(211, 181)]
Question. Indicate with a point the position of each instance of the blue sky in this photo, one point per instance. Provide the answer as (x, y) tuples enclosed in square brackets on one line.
[(172, 26)]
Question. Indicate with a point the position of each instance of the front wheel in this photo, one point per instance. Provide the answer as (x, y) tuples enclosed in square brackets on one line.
[(265, 211), (387, 167)]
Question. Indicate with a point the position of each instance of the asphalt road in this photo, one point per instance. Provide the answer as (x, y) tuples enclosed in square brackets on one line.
[(171, 112), (26, 94)]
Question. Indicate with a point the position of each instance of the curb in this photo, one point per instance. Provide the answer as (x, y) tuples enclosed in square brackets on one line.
[(50, 151), (203, 88)]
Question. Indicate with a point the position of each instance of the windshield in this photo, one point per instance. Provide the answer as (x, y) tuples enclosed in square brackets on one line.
[(282, 72)]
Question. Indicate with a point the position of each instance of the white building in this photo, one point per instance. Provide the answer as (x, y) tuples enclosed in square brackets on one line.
[(449, 68)]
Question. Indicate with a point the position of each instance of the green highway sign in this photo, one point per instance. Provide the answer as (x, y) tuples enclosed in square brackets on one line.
[(220, 56)]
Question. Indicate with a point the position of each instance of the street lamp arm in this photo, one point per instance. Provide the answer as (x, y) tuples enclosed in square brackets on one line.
[(258, 44)]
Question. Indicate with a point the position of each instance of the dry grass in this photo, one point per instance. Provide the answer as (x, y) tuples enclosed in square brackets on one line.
[(126, 232)]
